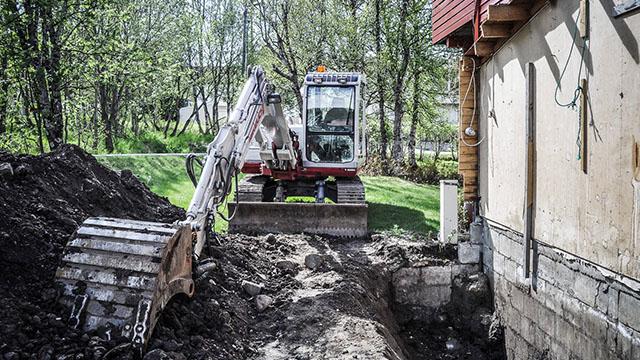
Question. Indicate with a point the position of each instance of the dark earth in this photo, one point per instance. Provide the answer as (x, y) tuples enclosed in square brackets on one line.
[(322, 298)]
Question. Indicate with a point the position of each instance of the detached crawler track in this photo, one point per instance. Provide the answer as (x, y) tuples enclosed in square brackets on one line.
[(118, 274)]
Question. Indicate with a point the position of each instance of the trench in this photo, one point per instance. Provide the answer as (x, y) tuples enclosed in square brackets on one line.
[(389, 298)]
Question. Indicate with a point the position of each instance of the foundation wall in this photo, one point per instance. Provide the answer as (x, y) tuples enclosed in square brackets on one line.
[(573, 310)]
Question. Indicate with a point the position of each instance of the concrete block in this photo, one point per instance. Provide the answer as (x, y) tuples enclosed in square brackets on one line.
[(498, 263), (586, 289), (573, 310), (553, 300), (623, 342), (436, 275), (546, 319), (428, 286), (433, 296), (527, 329), (487, 256), (602, 298), (476, 230), (464, 269), (584, 347), (629, 311), (529, 307), (595, 325), (469, 253), (635, 348), (614, 301), (558, 351), (513, 250), (565, 333), (510, 270)]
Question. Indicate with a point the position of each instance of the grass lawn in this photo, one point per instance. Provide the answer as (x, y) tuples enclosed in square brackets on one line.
[(394, 204)]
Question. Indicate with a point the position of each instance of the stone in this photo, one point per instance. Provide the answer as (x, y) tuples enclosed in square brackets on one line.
[(156, 354), (586, 289), (271, 239), (206, 267), (469, 253), (286, 265), (452, 344), (251, 288), (6, 169), (170, 345), (263, 302), (313, 261), (11, 356), (628, 310)]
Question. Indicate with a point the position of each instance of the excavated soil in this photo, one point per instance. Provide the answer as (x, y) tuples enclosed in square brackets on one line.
[(319, 298)]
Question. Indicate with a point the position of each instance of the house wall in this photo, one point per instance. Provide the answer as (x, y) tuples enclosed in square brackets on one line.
[(590, 215), (585, 298)]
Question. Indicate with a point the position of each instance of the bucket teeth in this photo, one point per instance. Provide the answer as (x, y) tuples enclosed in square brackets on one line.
[(117, 275)]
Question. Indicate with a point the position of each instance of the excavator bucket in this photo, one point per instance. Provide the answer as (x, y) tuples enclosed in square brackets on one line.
[(338, 220), (117, 275)]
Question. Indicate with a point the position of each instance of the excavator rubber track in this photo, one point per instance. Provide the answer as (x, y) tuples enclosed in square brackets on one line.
[(117, 275), (345, 219)]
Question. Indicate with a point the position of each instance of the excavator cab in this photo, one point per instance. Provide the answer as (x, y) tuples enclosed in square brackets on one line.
[(334, 121)]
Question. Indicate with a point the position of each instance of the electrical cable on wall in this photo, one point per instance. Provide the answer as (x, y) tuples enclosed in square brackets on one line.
[(572, 104), (469, 131)]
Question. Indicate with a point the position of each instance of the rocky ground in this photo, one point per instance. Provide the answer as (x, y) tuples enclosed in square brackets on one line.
[(265, 297)]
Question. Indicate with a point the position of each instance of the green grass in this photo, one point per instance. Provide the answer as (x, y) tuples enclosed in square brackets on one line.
[(400, 205), (394, 204)]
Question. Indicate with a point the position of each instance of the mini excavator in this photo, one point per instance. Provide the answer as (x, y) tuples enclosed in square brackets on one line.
[(117, 275)]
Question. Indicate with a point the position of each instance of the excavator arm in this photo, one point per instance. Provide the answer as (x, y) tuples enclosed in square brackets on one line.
[(117, 275)]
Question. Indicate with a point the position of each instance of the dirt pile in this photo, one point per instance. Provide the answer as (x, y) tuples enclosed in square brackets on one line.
[(43, 199)]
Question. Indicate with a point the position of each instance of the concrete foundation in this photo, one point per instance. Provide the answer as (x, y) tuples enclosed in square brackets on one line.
[(574, 309)]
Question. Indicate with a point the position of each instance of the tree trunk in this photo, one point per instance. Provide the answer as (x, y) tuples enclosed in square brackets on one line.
[(380, 83), (411, 143), (106, 119), (4, 94), (398, 89)]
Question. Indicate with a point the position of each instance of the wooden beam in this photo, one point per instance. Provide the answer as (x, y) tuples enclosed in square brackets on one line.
[(495, 31), (507, 13), (584, 123), (583, 23), (483, 48), (530, 170)]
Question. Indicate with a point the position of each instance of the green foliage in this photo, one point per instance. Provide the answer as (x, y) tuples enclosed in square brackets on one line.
[(427, 170), (155, 142)]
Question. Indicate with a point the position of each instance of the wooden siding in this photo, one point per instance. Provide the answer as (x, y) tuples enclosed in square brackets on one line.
[(451, 15), (468, 155)]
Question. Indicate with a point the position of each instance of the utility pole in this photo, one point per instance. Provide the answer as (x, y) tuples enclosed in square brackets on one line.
[(244, 39)]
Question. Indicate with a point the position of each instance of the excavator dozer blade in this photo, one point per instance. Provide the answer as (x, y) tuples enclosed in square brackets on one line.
[(338, 220), (117, 275)]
